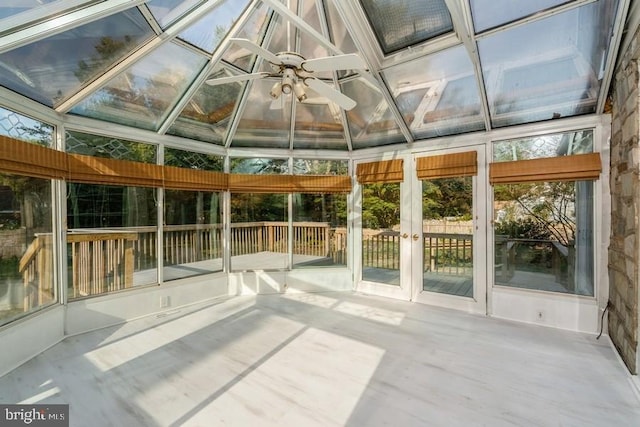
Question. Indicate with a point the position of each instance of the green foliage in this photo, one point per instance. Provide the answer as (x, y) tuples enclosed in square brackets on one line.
[(447, 198), (258, 207), (381, 205), (9, 268), (108, 50)]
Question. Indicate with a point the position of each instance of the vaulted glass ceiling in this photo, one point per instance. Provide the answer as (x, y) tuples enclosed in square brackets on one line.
[(433, 67)]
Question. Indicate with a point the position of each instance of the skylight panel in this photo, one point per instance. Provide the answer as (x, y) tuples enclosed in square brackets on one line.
[(142, 95), (549, 68), (208, 114), (437, 95), (492, 13), (55, 68), (208, 32), (371, 122), (167, 12), (398, 25)]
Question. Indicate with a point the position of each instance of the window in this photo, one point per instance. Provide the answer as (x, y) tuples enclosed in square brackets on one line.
[(27, 280), (112, 234), (319, 219), (543, 214), (26, 246), (259, 227), (192, 229)]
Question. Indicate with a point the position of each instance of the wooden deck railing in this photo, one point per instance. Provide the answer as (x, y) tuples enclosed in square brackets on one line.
[(36, 267), (560, 258), (443, 252), (101, 261)]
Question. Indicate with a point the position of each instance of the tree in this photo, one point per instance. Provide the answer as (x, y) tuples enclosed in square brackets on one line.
[(380, 205)]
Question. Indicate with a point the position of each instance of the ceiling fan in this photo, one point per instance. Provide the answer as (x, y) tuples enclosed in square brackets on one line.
[(295, 73)]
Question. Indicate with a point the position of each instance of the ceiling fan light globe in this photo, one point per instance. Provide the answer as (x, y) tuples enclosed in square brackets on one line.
[(298, 89), (276, 90)]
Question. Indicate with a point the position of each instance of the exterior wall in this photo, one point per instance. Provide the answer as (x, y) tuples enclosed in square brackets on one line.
[(12, 243), (624, 253)]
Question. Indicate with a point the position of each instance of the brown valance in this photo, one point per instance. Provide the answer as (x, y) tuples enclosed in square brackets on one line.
[(249, 183), (447, 165), (383, 171), (245, 183), (24, 158), (98, 170), (321, 184), (194, 180), (565, 168)]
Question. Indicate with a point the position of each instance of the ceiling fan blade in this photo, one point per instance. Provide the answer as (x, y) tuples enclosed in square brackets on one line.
[(330, 93), (258, 50), (350, 61), (238, 78)]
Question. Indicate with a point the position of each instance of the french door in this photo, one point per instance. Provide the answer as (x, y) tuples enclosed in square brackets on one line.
[(424, 238)]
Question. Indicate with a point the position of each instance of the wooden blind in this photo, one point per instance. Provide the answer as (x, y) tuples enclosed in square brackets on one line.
[(321, 184), (24, 158), (565, 168), (98, 170), (194, 180), (447, 165), (384, 171), (249, 183), (245, 183)]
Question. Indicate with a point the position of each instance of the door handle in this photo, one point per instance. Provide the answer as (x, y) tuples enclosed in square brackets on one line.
[(405, 235), (415, 237)]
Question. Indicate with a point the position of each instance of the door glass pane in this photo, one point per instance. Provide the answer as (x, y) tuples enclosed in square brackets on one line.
[(543, 236), (381, 233), (447, 206)]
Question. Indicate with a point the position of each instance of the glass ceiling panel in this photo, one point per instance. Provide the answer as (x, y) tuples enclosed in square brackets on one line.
[(167, 12), (398, 25), (371, 122), (264, 122), (437, 95), (309, 48), (51, 70), (280, 40), (208, 32), (208, 114), (254, 30), (491, 13), (339, 35), (318, 124), (142, 95), (549, 68)]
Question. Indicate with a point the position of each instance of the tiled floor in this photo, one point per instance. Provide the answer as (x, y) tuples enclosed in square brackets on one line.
[(329, 359)]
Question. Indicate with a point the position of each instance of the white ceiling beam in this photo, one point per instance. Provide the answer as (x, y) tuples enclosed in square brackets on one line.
[(241, 104), (535, 17), (612, 54), (42, 12), (283, 11), (324, 23), (62, 23), (205, 73), (363, 42), (463, 26)]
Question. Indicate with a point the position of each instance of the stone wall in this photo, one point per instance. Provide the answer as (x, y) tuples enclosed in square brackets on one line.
[(625, 199), (12, 243)]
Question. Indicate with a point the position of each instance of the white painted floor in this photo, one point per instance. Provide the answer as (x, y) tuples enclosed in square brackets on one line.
[(329, 359)]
